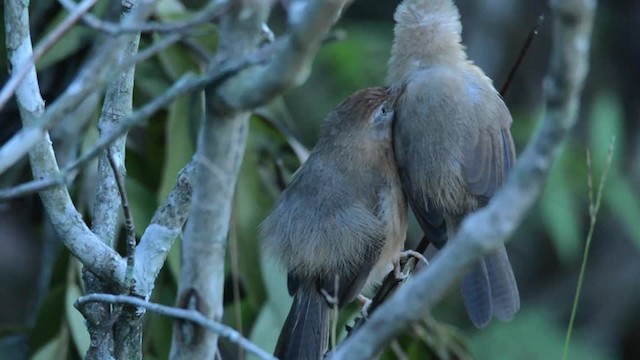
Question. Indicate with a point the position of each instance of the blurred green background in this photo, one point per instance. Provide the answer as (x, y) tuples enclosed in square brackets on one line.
[(39, 281)]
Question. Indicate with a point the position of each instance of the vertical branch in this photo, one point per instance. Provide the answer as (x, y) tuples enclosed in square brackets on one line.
[(221, 146), (118, 103)]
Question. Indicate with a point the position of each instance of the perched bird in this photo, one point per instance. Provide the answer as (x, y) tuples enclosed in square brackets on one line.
[(341, 222), (452, 142)]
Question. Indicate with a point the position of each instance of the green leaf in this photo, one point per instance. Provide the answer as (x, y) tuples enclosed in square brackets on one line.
[(72, 41), (620, 200), (605, 123), (360, 59), (56, 348), (150, 80), (169, 9), (176, 60), (278, 116), (159, 328), (179, 144), (620, 194), (532, 334), (561, 210), (173, 259), (142, 203), (275, 309), (49, 318), (76, 321), (252, 202)]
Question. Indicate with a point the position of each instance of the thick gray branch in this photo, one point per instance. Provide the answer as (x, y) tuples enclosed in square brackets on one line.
[(220, 150), (221, 147), (291, 65), (486, 229)]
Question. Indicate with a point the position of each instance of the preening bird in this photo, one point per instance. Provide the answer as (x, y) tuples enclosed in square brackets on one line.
[(341, 221), (452, 142)]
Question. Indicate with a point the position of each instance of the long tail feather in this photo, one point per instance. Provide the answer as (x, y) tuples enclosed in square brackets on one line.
[(305, 332), (476, 293), (504, 290)]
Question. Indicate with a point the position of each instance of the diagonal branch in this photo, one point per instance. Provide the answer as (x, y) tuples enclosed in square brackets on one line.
[(186, 84), (91, 78), (166, 225), (290, 66), (23, 69), (211, 12), (69, 224), (486, 229)]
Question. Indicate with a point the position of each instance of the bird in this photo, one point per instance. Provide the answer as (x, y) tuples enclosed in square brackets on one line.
[(341, 222), (452, 143)]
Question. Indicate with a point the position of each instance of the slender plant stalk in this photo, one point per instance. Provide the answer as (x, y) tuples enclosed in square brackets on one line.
[(593, 214)]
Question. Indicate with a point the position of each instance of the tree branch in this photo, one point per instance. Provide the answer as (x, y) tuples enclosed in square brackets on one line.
[(221, 147), (128, 219), (486, 229), (211, 12), (165, 226), (92, 77), (290, 66), (177, 313), (20, 72), (187, 83), (69, 224)]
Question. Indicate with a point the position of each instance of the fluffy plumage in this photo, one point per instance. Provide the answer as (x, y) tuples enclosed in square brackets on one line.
[(452, 141), (343, 215)]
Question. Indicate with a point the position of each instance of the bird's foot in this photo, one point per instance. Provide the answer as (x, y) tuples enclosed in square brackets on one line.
[(397, 268), (365, 302), (397, 271), (414, 254)]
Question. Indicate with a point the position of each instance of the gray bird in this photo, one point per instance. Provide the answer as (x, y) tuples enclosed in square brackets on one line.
[(341, 221), (452, 142)]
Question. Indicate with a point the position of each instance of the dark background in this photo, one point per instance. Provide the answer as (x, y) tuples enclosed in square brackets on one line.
[(546, 251)]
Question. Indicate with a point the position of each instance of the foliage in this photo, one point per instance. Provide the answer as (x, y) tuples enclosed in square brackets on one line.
[(157, 152)]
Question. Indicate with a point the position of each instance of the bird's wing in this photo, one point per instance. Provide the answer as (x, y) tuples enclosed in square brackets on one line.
[(487, 161)]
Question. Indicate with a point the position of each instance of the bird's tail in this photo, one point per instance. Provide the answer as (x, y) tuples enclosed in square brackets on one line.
[(305, 332), (490, 289)]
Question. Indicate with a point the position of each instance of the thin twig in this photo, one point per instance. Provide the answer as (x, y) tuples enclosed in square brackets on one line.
[(35, 186), (92, 77), (593, 214), (398, 351), (184, 85), (523, 52), (128, 220), (213, 11), (44, 46), (178, 313)]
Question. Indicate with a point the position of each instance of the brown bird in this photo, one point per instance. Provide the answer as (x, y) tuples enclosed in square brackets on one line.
[(341, 221), (452, 142)]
